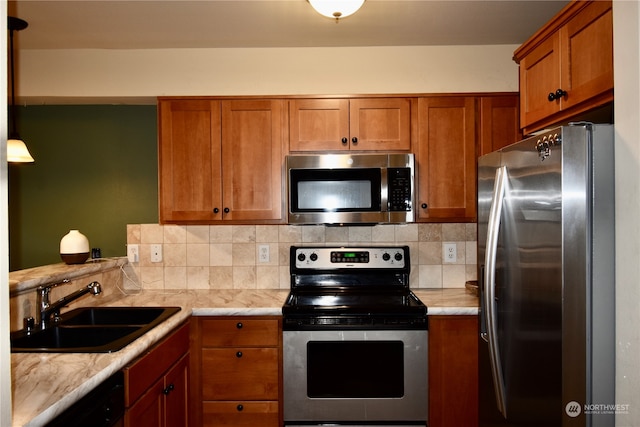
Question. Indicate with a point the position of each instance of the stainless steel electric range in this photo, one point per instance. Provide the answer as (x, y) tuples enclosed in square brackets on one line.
[(355, 339)]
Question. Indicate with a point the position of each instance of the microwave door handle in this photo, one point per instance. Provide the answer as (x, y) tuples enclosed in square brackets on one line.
[(489, 278)]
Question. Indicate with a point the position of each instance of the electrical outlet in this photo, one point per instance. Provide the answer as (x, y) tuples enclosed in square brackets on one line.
[(263, 253), (133, 253), (450, 252), (156, 253)]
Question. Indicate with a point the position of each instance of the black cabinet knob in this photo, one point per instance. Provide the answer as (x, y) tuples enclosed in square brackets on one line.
[(344, 140), (239, 325), (216, 210), (423, 206), (226, 210), (354, 140), (239, 407), (169, 389), (556, 95), (239, 354)]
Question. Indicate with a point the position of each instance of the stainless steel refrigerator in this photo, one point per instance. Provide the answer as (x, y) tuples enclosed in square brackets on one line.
[(546, 274)]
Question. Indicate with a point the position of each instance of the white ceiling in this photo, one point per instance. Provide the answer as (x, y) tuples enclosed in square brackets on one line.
[(157, 24)]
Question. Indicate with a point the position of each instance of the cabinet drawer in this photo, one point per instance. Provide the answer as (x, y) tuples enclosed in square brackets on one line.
[(146, 370), (240, 332), (240, 374), (240, 414)]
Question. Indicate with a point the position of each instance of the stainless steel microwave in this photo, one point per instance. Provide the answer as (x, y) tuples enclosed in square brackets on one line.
[(344, 189)]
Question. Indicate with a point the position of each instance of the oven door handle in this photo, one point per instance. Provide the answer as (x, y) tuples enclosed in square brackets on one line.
[(489, 300)]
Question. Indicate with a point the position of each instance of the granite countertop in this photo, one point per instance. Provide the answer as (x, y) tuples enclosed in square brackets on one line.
[(45, 384)]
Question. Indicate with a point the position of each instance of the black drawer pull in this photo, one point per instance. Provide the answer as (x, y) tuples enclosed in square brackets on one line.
[(239, 354), (239, 325), (239, 407)]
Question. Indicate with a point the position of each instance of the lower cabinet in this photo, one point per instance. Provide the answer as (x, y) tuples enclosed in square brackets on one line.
[(453, 371), (157, 384), (236, 371)]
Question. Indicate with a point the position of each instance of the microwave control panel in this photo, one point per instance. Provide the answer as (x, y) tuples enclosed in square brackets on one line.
[(399, 198)]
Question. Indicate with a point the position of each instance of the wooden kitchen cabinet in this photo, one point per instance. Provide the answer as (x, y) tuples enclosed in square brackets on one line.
[(499, 122), (566, 68), (237, 373), (221, 160), (453, 371), (363, 124), (446, 159), (157, 384)]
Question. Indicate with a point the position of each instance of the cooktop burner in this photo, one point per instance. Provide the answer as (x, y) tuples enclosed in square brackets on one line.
[(353, 287)]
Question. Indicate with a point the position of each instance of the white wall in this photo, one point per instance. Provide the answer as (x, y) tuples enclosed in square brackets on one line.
[(626, 20), (46, 75)]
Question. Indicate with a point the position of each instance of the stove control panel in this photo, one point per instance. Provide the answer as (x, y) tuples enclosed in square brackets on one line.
[(324, 258)]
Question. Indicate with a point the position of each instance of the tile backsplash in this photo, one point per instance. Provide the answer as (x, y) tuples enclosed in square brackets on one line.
[(228, 256)]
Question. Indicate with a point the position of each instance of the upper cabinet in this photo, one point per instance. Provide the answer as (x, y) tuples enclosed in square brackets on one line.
[(221, 160), (365, 124), (446, 159), (566, 68), (499, 122)]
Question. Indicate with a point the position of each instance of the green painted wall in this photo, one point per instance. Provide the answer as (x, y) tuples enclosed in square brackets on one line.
[(95, 170)]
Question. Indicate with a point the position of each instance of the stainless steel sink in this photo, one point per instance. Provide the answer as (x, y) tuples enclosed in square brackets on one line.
[(92, 330)]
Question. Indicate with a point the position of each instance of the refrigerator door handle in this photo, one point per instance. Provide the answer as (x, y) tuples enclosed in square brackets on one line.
[(493, 228)]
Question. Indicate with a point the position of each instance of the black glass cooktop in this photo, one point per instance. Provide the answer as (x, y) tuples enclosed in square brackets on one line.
[(353, 301)]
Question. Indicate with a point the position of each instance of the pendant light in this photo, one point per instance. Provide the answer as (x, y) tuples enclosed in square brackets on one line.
[(336, 8), (17, 151)]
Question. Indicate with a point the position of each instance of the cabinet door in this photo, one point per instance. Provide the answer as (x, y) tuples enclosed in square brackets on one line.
[(587, 54), (176, 413), (148, 410), (252, 159), (453, 371), (380, 124), (240, 373), (319, 125), (499, 122), (539, 76), (189, 160), (446, 159)]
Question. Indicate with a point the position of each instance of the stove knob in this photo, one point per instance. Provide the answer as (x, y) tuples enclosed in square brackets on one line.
[(313, 257), (398, 256), (386, 256), (301, 257)]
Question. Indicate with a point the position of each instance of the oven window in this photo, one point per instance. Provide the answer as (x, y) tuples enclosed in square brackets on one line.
[(339, 190), (355, 369)]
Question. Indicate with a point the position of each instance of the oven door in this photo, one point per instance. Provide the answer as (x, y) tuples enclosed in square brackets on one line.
[(334, 376)]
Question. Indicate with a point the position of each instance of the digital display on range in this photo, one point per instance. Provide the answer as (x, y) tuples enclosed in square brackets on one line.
[(349, 257)]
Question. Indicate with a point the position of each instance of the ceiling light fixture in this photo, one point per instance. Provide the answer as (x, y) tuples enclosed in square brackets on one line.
[(17, 151), (336, 9)]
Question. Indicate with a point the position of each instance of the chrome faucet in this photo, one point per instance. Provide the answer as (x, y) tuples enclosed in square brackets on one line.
[(51, 311)]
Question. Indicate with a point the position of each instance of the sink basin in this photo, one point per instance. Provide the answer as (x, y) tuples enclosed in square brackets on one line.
[(92, 330), (113, 315), (62, 338)]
